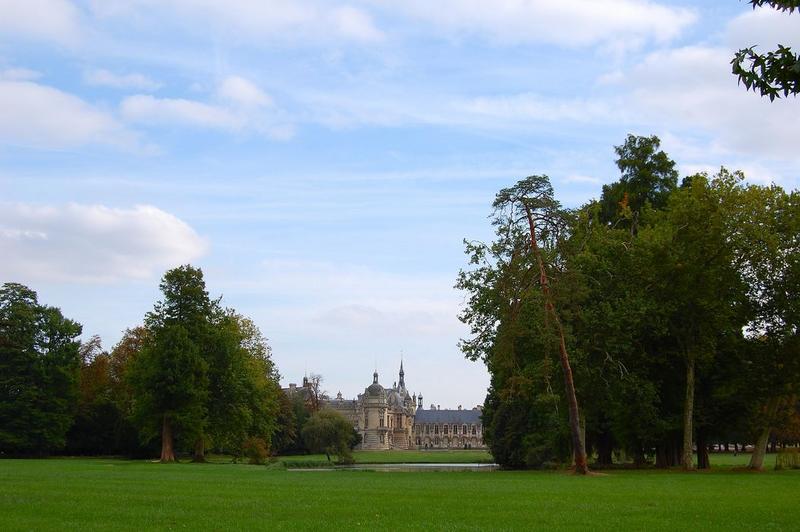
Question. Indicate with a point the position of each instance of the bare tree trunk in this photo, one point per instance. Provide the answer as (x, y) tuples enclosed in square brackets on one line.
[(688, 413), (167, 450), (760, 449), (581, 464), (199, 450)]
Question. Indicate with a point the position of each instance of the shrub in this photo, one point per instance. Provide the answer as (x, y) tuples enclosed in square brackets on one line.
[(255, 449), (788, 459)]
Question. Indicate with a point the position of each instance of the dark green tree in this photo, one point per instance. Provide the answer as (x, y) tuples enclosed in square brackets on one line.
[(169, 379), (648, 176), (39, 362)]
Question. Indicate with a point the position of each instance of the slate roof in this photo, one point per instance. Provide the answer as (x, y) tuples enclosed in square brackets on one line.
[(450, 417)]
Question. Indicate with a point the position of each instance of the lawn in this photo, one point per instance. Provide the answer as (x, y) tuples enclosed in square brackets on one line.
[(88, 494)]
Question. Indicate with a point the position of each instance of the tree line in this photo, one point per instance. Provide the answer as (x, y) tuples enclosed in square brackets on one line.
[(194, 376), (668, 310)]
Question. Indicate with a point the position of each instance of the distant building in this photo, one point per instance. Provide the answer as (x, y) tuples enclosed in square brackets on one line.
[(391, 418)]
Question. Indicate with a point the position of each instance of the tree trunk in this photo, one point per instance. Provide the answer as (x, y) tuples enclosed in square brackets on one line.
[(167, 450), (581, 464), (688, 413), (199, 450), (760, 449)]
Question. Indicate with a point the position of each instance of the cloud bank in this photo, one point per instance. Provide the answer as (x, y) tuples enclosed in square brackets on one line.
[(92, 243)]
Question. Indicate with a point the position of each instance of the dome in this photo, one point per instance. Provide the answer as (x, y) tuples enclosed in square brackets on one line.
[(375, 389)]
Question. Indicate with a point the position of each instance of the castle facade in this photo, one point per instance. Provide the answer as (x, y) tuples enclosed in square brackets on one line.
[(392, 418)]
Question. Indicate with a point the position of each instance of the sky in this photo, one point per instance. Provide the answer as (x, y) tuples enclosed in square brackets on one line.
[(323, 161)]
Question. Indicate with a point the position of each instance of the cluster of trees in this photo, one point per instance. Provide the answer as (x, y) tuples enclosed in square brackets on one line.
[(194, 376), (670, 311)]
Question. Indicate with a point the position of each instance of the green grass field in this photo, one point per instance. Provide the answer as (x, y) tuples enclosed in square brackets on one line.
[(91, 494)]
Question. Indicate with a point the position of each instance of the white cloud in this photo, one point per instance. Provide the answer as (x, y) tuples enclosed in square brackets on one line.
[(150, 110), (691, 88), (765, 28), (566, 23), (257, 21), (521, 108), (240, 107), (19, 74), (52, 20), (243, 92), (355, 24), (92, 243), (576, 178), (105, 78), (42, 116)]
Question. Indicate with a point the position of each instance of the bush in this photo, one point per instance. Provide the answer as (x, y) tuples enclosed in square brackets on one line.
[(329, 432), (255, 449), (788, 459)]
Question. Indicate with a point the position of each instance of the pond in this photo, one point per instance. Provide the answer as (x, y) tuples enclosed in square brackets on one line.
[(406, 467)]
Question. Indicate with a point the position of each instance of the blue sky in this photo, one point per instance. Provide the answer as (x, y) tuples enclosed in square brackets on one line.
[(322, 161)]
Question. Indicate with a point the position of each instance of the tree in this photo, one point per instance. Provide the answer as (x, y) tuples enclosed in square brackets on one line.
[(329, 432), (648, 176), (186, 304), (39, 362), (170, 383), (316, 395), (772, 73), (530, 223)]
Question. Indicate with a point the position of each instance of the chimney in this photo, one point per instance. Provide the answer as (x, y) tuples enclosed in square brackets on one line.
[(459, 407), (438, 407), (292, 386)]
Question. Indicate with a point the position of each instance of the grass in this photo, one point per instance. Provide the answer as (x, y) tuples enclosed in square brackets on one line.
[(92, 494)]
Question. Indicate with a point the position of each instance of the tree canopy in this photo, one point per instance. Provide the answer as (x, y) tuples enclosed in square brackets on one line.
[(39, 361)]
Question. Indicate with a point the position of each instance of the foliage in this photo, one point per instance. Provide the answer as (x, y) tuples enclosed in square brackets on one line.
[(329, 432), (772, 73), (170, 382), (39, 360), (679, 315), (647, 177), (255, 449), (223, 386)]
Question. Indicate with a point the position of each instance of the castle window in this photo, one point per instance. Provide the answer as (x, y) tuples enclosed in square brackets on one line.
[(381, 423), (474, 430), (445, 429), (436, 429), (464, 429), (455, 429)]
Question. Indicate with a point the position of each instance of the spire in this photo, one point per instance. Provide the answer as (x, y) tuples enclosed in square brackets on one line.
[(375, 377), (402, 373)]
